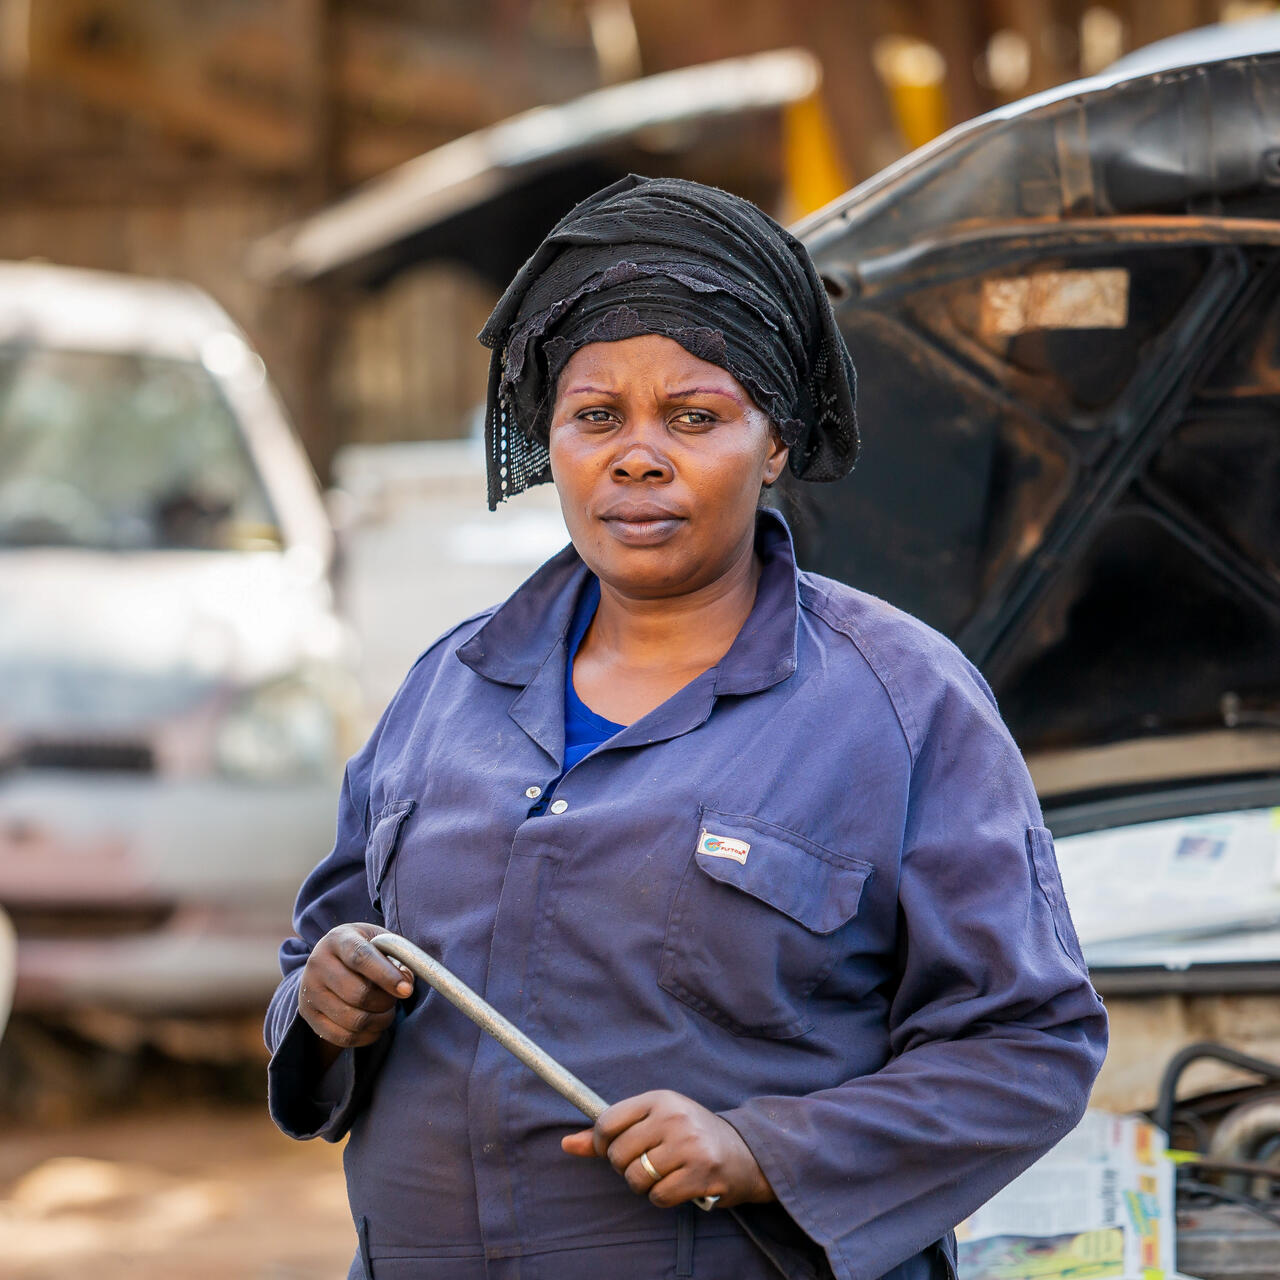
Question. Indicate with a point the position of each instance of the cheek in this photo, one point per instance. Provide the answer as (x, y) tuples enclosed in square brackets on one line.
[(567, 463), (573, 477), (733, 477)]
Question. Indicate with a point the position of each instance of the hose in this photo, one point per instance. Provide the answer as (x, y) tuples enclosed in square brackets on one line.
[(1163, 1115)]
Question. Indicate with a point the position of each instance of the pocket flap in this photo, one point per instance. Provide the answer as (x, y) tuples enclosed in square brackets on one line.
[(1044, 863), (382, 844), (814, 886)]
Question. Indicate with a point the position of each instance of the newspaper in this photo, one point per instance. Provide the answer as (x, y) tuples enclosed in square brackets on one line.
[(1100, 1204)]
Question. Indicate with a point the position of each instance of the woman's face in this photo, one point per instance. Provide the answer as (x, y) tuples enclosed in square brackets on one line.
[(658, 458)]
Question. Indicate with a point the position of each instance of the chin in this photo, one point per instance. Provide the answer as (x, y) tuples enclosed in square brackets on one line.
[(633, 577)]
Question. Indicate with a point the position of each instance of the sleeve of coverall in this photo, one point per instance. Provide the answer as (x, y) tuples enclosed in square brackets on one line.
[(304, 1100), (996, 1033)]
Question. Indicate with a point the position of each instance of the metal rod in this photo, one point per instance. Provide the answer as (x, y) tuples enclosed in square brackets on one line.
[(489, 1020), (505, 1032)]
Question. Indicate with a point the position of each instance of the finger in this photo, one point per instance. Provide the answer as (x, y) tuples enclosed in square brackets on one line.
[(355, 1022), (349, 1017), (362, 957), (640, 1179), (334, 1033), (677, 1187), (622, 1115), (356, 991), (580, 1143), (628, 1146)]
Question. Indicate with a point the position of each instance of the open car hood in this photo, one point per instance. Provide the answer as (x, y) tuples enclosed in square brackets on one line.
[(488, 198), (1066, 321)]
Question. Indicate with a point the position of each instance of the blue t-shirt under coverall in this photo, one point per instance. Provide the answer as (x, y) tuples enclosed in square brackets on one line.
[(811, 890), (584, 731)]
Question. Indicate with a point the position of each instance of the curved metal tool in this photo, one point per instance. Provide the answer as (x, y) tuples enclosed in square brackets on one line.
[(505, 1032)]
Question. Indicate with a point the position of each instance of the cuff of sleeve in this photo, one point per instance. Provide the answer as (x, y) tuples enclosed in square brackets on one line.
[(337, 1083), (784, 1184), (308, 1101)]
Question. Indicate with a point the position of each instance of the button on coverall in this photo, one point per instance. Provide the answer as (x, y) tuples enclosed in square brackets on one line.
[(812, 890)]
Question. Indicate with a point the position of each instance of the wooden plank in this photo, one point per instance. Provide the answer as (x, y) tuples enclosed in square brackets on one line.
[(1150, 22), (237, 74), (230, 75), (961, 33)]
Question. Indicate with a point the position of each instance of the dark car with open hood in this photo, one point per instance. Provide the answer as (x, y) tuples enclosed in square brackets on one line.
[(1066, 318)]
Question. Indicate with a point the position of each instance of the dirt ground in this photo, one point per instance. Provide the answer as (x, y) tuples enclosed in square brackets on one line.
[(185, 1192)]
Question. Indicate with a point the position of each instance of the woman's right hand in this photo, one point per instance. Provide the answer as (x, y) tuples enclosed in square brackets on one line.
[(349, 989)]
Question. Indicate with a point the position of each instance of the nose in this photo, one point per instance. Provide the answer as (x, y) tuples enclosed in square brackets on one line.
[(640, 458)]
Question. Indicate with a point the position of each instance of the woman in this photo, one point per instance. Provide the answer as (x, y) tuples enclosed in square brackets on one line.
[(745, 849)]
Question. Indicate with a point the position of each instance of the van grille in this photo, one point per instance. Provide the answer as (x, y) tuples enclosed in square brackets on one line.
[(106, 757), (86, 922)]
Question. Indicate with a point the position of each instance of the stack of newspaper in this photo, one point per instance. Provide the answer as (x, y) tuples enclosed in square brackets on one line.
[(1100, 1204)]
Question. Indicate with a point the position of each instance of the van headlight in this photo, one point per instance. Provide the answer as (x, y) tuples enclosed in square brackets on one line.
[(285, 731)]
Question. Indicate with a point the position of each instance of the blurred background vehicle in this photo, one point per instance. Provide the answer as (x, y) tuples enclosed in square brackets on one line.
[(1069, 313), (413, 518), (176, 691)]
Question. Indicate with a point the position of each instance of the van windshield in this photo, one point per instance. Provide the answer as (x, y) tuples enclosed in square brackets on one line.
[(1176, 891), (124, 452)]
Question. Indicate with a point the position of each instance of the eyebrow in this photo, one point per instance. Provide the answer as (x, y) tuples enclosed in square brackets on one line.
[(595, 391), (675, 395), (706, 391)]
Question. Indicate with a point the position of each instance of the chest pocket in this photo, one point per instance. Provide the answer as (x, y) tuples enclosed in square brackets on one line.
[(757, 924), (379, 859)]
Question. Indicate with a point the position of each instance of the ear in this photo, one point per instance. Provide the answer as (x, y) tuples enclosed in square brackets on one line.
[(776, 458)]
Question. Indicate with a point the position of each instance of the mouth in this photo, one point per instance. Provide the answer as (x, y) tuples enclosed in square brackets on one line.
[(642, 526)]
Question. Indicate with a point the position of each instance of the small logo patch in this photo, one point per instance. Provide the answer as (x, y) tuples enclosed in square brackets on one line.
[(723, 846)]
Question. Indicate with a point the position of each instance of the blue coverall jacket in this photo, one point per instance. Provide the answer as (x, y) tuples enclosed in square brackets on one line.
[(811, 890)]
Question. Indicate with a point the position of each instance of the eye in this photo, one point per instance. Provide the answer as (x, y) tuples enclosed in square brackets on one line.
[(695, 418), (597, 417)]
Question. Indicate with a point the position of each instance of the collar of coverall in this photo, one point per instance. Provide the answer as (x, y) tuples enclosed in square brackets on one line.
[(529, 629)]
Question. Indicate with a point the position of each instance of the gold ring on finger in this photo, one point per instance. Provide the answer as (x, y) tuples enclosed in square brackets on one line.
[(647, 1165)]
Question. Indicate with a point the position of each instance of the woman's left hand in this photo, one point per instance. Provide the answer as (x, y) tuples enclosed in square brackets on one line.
[(693, 1151)]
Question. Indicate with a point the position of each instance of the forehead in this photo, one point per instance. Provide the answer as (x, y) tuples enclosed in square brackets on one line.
[(647, 361)]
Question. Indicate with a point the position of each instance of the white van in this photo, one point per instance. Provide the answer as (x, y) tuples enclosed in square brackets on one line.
[(175, 683)]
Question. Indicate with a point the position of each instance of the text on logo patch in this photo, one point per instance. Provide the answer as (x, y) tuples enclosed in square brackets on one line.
[(723, 846)]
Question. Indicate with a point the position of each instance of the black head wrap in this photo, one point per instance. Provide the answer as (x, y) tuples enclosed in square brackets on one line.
[(691, 262)]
